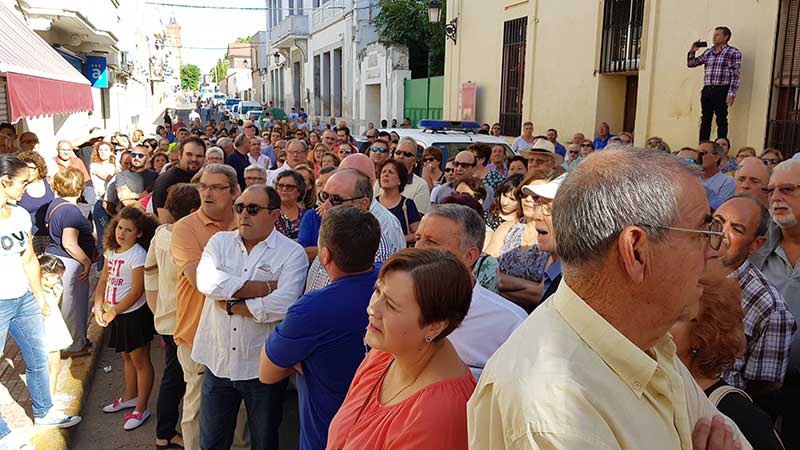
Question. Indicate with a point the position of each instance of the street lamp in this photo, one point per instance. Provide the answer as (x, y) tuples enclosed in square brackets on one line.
[(435, 16)]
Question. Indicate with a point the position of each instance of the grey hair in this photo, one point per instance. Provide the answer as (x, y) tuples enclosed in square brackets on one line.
[(223, 169), (215, 150), (407, 140), (716, 149), (787, 165), (224, 142), (363, 187), (240, 140), (297, 141), (473, 231), (611, 191), (256, 168)]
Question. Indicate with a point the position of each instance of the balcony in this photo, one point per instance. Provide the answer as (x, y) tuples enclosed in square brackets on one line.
[(71, 18), (289, 31)]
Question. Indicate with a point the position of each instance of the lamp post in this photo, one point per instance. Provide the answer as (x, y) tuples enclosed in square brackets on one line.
[(434, 13)]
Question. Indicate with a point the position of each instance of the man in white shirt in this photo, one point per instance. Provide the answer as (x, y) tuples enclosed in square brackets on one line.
[(491, 319), (241, 309), (194, 115), (416, 189), (296, 154)]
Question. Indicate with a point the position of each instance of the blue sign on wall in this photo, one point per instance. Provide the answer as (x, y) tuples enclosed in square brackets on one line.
[(96, 71)]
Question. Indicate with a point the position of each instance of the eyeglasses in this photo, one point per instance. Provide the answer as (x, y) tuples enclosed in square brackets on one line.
[(713, 232), (260, 180), (64, 150), (252, 208), (213, 187), (335, 199), (587, 145), (691, 160), (462, 164), (286, 187), (771, 162), (405, 154), (538, 203), (428, 159), (785, 189), (448, 170), (138, 155), (379, 149)]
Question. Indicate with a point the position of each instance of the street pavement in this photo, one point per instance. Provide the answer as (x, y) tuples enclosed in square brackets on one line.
[(101, 431)]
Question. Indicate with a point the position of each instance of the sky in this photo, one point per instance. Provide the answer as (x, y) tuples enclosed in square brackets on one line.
[(212, 28)]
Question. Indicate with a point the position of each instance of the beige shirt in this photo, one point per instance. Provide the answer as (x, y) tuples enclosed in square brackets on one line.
[(160, 256), (566, 379)]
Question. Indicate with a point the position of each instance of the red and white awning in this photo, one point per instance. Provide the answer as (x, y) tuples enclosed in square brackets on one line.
[(40, 82)]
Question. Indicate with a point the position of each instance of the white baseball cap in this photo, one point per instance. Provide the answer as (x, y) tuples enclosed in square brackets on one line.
[(547, 190)]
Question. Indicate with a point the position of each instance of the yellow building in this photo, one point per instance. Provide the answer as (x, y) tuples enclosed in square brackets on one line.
[(571, 64)]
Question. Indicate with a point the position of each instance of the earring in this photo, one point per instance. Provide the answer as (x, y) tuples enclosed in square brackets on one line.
[(694, 352), (428, 339)]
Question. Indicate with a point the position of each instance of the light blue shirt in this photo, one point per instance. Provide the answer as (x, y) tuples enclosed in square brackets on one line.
[(719, 188)]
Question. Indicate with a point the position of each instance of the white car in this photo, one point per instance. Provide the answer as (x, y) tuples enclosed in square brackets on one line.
[(450, 137)]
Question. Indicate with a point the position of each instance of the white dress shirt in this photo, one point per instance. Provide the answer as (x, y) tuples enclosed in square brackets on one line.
[(262, 160), (230, 346), (490, 321), (272, 175)]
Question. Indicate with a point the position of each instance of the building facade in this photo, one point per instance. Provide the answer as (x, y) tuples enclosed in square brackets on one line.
[(572, 64)]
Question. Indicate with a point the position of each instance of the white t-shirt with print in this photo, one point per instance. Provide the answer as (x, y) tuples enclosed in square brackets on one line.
[(120, 276), (14, 238)]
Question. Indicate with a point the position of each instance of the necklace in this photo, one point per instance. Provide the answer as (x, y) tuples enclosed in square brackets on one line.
[(409, 384)]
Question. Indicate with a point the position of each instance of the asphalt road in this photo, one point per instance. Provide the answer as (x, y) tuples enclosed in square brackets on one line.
[(101, 431)]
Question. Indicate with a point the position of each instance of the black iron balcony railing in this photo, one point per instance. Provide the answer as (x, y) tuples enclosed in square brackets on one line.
[(622, 36)]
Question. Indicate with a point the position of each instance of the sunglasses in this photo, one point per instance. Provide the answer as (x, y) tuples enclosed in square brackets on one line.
[(428, 159), (463, 164), (586, 145), (771, 162), (691, 160), (252, 209), (379, 149), (334, 199), (405, 154), (286, 187), (448, 170), (138, 155), (785, 189)]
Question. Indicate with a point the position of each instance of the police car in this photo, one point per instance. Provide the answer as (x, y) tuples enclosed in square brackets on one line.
[(449, 136)]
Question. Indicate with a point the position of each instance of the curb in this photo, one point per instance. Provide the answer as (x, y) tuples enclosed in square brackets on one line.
[(74, 380)]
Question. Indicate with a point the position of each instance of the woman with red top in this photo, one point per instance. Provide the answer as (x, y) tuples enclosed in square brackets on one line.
[(411, 390)]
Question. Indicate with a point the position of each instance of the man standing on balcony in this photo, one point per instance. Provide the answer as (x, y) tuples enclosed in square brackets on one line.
[(720, 83)]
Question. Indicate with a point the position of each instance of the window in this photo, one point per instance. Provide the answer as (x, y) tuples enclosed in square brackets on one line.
[(337, 82), (622, 35), (513, 76), (291, 7), (326, 83), (317, 85), (783, 128)]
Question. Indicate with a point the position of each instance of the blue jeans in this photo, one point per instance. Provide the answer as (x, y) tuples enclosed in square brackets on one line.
[(22, 317), (219, 406)]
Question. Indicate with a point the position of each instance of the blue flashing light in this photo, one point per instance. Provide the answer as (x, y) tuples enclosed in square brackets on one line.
[(442, 125)]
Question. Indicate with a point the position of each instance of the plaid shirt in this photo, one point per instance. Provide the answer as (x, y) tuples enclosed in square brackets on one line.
[(768, 326), (722, 68)]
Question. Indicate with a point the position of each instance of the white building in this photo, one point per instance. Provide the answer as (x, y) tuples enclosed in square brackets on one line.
[(326, 59)]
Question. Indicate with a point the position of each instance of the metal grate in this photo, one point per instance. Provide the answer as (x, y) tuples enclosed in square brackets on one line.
[(622, 36), (783, 128), (513, 76)]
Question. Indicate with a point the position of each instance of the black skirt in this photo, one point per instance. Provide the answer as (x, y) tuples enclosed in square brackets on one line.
[(130, 331)]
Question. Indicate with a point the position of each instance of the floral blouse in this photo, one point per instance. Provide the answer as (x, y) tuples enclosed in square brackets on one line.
[(290, 228), (493, 179), (515, 262)]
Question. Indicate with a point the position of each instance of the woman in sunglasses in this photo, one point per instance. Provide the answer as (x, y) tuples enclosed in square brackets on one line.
[(344, 150), (771, 158), (573, 157), (432, 167)]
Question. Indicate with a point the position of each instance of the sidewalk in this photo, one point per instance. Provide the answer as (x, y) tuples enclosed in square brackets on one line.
[(15, 401)]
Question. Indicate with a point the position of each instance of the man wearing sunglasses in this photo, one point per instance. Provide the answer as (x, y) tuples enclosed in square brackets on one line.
[(378, 154), (416, 188), (239, 311), (779, 260), (463, 166), (131, 185)]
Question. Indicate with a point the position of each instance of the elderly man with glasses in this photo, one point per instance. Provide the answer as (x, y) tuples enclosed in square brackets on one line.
[(604, 372), (415, 188), (296, 154), (240, 310), (463, 167)]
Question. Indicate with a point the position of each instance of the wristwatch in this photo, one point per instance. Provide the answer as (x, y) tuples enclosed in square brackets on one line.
[(229, 307)]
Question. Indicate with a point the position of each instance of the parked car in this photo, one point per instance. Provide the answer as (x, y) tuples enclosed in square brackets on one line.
[(230, 102), (219, 98), (245, 107)]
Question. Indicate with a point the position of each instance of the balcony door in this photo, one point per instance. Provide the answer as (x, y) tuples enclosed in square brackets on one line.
[(513, 75), (783, 128)]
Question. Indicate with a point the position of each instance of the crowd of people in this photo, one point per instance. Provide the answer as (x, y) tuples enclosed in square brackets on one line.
[(413, 298)]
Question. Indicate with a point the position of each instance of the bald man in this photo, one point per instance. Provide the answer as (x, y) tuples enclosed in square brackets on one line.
[(752, 178)]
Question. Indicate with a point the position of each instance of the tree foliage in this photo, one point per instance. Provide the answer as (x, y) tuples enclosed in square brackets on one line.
[(244, 40), (220, 70), (190, 77), (405, 22)]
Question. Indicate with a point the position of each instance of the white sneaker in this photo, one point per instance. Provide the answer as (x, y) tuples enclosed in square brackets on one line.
[(58, 419), (119, 405), (13, 441), (135, 419)]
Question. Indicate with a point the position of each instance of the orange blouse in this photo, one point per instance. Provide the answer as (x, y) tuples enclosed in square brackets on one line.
[(433, 418)]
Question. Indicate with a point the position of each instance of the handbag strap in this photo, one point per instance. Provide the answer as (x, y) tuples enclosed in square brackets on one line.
[(50, 216), (719, 393)]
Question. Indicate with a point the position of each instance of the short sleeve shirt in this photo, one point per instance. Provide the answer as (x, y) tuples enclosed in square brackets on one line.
[(120, 276), (324, 332), (309, 229), (14, 240), (68, 216), (165, 181)]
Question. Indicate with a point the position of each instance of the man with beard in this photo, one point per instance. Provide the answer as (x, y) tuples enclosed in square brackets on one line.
[(131, 185), (193, 151)]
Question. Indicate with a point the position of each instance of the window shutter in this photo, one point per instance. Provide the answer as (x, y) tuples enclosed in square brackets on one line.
[(790, 66)]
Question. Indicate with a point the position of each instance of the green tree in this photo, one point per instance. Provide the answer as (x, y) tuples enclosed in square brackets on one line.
[(405, 22), (190, 77), (220, 70), (244, 40)]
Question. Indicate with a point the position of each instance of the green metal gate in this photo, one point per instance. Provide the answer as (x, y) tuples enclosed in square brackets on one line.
[(424, 99)]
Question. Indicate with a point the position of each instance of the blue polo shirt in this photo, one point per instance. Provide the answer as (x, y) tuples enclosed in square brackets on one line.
[(600, 144), (239, 162), (324, 332), (309, 229)]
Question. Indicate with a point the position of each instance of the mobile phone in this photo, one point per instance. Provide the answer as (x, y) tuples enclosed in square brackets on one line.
[(701, 44)]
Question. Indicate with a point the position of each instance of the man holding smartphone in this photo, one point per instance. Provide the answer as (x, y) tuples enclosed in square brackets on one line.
[(720, 83)]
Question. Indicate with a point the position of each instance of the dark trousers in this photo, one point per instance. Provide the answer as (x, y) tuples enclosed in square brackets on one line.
[(713, 101), (219, 406), (170, 393)]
